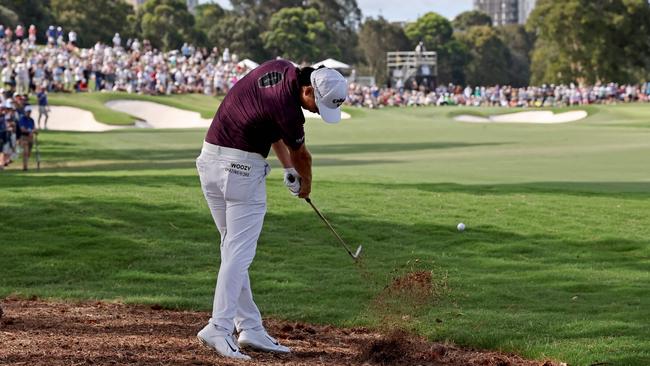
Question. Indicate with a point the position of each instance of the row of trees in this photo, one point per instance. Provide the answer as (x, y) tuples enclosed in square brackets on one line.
[(564, 41), (469, 49)]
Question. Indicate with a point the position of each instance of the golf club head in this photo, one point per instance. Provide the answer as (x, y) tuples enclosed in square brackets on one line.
[(357, 253)]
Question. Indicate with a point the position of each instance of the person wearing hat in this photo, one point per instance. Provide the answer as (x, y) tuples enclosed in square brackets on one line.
[(262, 110), (11, 132), (43, 107), (27, 130)]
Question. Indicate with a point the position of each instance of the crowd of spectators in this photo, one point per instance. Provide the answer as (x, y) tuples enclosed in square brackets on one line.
[(134, 67), (27, 68), (137, 67), (499, 96)]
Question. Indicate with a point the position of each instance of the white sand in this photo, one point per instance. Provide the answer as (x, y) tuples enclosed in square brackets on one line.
[(154, 115), (543, 117), (73, 119), (159, 115)]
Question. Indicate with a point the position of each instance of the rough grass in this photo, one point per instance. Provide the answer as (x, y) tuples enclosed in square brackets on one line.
[(553, 264)]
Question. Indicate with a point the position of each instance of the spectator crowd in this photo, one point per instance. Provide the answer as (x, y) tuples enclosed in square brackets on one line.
[(132, 66), (137, 67), (499, 96), (60, 66)]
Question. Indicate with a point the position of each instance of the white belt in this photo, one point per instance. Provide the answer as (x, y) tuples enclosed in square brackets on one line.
[(230, 152)]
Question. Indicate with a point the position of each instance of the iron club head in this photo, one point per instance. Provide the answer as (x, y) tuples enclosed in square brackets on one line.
[(357, 253)]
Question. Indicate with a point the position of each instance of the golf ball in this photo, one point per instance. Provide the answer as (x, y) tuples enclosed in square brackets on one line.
[(461, 227)]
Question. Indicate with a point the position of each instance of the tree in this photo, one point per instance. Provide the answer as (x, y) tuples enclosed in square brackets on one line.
[(589, 41), (93, 21), (262, 10), (166, 23), (456, 56), (376, 37), (30, 12), (520, 43), (207, 17), (342, 18), (8, 17), (299, 34), (472, 18), (490, 58), (241, 35), (436, 33), (432, 29)]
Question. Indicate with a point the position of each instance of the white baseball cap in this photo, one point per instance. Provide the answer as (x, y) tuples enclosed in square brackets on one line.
[(330, 90)]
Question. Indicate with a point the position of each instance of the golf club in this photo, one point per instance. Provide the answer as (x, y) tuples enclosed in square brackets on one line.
[(356, 254)]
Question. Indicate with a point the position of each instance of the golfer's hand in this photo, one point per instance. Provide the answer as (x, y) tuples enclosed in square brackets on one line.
[(292, 180), (305, 189)]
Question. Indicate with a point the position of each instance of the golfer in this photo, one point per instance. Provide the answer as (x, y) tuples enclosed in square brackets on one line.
[(262, 110), (27, 131)]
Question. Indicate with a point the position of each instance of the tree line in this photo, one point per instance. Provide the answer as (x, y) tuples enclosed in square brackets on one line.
[(563, 41)]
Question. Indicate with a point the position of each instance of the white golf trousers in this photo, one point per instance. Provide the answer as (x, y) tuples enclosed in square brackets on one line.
[(233, 183)]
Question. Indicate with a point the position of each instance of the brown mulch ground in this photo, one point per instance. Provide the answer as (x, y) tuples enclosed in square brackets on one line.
[(35, 332)]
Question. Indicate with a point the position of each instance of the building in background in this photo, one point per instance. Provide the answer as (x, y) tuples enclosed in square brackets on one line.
[(501, 11), (505, 12), (525, 8)]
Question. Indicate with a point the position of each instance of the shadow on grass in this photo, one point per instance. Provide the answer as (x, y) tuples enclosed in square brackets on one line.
[(616, 189), (392, 147), (55, 153), (125, 247), (637, 190), (160, 166)]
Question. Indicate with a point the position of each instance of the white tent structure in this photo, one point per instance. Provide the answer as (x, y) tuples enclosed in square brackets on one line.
[(332, 64), (248, 63)]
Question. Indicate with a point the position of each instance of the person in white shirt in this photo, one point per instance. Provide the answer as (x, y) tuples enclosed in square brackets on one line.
[(7, 71), (22, 79), (72, 37), (117, 40)]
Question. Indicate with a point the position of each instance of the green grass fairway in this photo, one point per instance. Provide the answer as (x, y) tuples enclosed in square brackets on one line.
[(95, 103), (555, 262)]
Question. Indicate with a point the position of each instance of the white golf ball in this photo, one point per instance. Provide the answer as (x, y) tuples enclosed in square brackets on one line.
[(461, 227)]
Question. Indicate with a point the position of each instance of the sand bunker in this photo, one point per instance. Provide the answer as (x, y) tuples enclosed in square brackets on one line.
[(158, 115), (74, 119), (161, 116), (150, 115), (542, 117)]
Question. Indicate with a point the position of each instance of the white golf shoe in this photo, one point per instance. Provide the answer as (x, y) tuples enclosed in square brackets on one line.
[(261, 341), (224, 344)]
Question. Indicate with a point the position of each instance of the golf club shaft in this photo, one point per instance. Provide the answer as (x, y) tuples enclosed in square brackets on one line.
[(330, 227)]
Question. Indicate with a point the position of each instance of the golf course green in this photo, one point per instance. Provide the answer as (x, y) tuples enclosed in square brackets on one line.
[(554, 263)]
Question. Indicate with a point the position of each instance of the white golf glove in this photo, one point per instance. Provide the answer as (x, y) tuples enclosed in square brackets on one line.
[(292, 180)]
